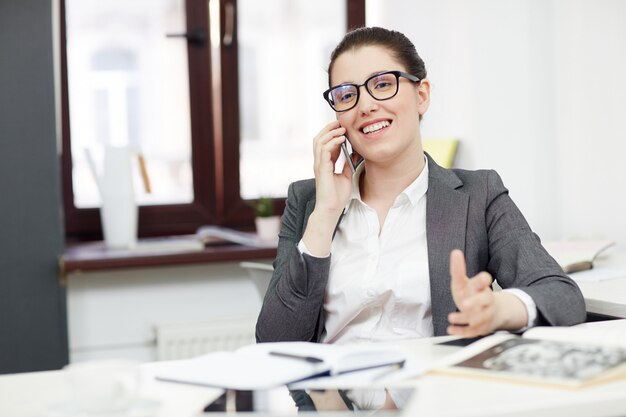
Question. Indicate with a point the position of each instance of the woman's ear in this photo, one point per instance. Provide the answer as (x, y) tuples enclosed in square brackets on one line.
[(423, 93)]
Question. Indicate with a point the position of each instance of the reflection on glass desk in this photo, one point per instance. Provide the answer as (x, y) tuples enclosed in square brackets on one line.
[(342, 402)]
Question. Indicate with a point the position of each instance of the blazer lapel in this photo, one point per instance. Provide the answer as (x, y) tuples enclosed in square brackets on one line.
[(446, 224)]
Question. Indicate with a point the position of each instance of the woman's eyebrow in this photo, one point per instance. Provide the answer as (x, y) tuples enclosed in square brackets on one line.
[(367, 77)]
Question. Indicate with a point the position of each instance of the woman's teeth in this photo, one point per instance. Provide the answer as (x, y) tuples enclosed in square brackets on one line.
[(375, 127)]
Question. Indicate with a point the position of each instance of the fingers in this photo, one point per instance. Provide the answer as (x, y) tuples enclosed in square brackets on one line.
[(476, 316), (473, 297), (461, 285), (326, 129), (480, 299), (458, 273), (326, 145), (332, 189), (480, 282), (457, 264)]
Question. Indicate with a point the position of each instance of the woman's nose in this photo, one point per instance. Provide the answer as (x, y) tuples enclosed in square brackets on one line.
[(367, 104)]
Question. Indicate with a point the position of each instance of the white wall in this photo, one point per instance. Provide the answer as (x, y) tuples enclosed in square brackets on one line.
[(591, 112), (536, 90), (114, 313)]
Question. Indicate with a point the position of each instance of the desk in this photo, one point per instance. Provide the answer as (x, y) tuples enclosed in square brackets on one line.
[(606, 297), (29, 394)]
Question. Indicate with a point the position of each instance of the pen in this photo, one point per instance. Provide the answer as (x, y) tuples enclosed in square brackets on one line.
[(310, 359), (391, 369)]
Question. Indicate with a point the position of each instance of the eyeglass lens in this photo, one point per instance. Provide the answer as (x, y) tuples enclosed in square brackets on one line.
[(381, 87)]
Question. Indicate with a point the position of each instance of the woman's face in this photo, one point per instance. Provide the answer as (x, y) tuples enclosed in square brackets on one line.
[(392, 125)]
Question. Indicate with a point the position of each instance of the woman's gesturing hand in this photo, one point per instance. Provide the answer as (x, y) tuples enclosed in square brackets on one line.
[(481, 311)]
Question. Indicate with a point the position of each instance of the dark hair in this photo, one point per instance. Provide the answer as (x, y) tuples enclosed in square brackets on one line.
[(401, 48)]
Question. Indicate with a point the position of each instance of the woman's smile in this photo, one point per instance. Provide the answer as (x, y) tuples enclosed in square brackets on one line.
[(376, 126)]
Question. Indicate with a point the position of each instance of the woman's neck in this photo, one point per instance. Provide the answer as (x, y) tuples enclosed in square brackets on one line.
[(386, 182)]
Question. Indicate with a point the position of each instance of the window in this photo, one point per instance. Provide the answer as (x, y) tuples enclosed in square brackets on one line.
[(280, 89), (186, 84)]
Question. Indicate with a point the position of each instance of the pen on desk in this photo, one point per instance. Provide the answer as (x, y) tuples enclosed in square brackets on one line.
[(388, 371), (310, 359)]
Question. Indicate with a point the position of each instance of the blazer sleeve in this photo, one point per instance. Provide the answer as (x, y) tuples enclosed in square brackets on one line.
[(518, 260), (292, 308)]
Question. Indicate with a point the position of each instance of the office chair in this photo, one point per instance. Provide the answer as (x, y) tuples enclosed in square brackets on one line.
[(260, 273)]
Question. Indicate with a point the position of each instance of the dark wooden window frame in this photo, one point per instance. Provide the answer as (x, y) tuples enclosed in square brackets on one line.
[(215, 139)]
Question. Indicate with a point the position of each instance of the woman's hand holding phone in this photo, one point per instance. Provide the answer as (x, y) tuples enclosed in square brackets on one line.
[(332, 190)]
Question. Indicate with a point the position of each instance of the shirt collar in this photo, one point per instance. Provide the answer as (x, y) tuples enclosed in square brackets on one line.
[(419, 186), (413, 191), (356, 192)]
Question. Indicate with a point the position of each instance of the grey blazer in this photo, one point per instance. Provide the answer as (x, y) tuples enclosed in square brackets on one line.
[(468, 210)]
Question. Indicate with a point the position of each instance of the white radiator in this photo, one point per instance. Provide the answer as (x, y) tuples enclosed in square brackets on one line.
[(186, 340)]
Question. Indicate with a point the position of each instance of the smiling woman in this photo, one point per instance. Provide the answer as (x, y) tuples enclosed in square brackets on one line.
[(373, 255)]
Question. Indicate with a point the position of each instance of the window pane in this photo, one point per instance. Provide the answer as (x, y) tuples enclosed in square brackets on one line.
[(284, 48), (129, 86)]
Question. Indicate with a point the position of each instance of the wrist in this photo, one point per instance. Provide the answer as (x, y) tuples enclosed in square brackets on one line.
[(319, 232), (511, 312), (325, 219)]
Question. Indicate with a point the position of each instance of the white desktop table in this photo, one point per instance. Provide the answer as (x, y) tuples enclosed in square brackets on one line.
[(35, 394)]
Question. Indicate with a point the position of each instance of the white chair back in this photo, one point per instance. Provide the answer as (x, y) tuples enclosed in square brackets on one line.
[(260, 273)]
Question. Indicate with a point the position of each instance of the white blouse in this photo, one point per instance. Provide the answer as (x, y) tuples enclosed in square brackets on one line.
[(379, 287)]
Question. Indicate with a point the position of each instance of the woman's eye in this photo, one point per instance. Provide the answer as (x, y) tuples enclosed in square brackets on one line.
[(344, 94), (346, 97), (382, 84)]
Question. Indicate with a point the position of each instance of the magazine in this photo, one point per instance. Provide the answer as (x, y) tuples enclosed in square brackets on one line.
[(568, 357)]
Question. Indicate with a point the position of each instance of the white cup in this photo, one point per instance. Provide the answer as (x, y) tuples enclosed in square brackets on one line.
[(102, 386), (119, 219), (119, 209)]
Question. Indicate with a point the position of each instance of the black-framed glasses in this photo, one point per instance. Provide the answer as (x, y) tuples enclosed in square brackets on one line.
[(381, 86)]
